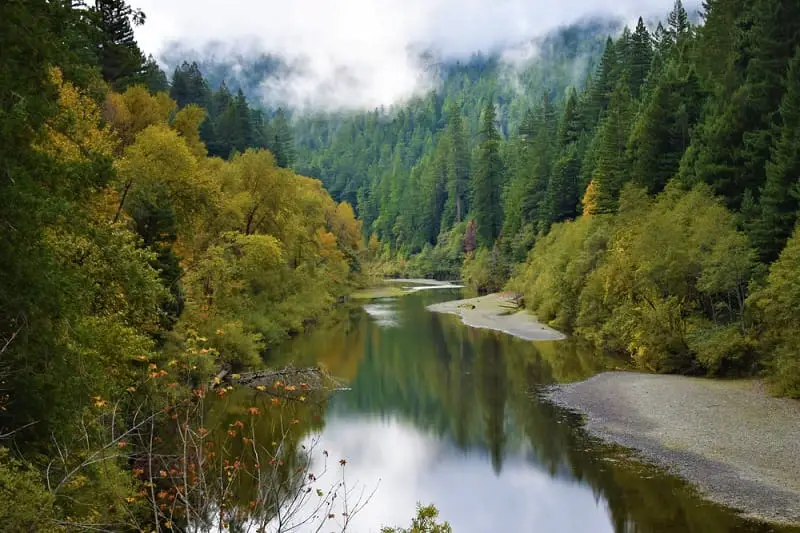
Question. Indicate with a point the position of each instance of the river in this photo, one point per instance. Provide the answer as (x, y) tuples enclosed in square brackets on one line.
[(436, 412)]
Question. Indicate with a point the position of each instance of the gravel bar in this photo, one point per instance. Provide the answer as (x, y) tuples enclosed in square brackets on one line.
[(496, 312), (730, 438)]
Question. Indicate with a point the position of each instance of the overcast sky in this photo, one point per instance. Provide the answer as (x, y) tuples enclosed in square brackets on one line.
[(367, 39)]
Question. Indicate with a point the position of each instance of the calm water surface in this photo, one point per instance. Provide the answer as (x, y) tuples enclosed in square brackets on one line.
[(445, 414)]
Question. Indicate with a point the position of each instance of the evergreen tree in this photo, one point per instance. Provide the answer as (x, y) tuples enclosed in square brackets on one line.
[(735, 137), (610, 172), (283, 142), (571, 125), (779, 196), (189, 87), (640, 57), (662, 130), (563, 195), (121, 61), (153, 77), (678, 23), (603, 83), (457, 169), (487, 179)]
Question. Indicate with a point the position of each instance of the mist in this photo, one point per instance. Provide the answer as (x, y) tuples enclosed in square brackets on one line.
[(356, 54)]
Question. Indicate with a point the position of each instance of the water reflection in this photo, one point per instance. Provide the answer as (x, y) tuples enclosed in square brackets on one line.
[(441, 413)]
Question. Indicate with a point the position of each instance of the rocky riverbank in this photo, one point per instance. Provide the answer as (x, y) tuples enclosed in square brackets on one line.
[(735, 442)]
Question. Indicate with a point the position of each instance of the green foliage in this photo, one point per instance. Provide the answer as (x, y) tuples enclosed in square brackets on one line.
[(554, 275), (119, 57), (777, 304), (412, 172), (487, 180), (28, 506), (664, 281), (425, 522), (483, 270), (778, 203), (133, 266)]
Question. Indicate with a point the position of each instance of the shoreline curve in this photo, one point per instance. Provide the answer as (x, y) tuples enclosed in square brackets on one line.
[(729, 438), (495, 312)]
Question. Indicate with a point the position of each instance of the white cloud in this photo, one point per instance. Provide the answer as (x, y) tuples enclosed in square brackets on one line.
[(409, 466), (360, 53)]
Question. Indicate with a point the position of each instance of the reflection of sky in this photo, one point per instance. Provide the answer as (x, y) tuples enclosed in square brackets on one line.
[(383, 311), (412, 467)]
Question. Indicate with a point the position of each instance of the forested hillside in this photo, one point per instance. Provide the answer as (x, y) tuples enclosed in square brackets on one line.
[(408, 170), (650, 202), (134, 265)]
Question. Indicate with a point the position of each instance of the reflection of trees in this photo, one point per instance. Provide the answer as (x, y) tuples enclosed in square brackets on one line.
[(492, 392), (479, 389)]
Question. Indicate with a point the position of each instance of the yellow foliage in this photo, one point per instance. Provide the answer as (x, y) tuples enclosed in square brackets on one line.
[(187, 123), (136, 109), (158, 167), (343, 223), (589, 200), (75, 133)]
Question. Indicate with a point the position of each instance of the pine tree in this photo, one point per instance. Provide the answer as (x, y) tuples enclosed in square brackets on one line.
[(121, 61), (661, 39), (640, 58), (602, 84), (735, 138), (571, 125), (244, 131), (153, 77), (661, 133), (457, 169), (283, 141), (487, 179), (189, 87), (610, 172), (562, 191), (779, 196), (678, 23)]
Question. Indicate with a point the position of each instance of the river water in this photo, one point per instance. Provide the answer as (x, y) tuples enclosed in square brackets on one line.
[(436, 412)]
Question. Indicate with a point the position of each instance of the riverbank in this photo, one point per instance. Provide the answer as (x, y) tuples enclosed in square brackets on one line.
[(497, 313), (731, 439), (394, 287)]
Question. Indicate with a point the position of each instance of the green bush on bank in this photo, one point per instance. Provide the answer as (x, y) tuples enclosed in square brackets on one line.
[(665, 280)]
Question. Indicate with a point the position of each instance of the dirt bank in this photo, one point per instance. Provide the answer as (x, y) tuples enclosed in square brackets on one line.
[(498, 313), (736, 443)]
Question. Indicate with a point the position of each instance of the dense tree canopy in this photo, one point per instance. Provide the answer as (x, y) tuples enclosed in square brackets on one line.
[(133, 267), (639, 151)]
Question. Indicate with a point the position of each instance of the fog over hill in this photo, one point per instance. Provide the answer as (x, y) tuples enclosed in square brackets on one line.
[(358, 54)]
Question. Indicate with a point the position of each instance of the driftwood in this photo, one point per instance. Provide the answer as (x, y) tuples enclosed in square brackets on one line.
[(289, 378)]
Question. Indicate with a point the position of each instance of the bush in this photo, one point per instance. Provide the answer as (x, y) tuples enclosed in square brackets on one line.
[(663, 280), (777, 305), (483, 271), (27, 505)]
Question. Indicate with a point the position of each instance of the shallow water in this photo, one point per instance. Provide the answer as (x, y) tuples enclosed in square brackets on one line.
[(440, 413)]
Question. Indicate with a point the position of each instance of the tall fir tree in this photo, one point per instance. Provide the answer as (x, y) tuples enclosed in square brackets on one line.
[(570, 126), (602, 85), (283, 142), (640, 57), (189, 87), (779, 197), (611, 170), (457, 169), (678, 25), (121, 61), (662, 131), (487, 179)]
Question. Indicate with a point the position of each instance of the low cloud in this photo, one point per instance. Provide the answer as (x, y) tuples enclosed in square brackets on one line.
[(349, 54)]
